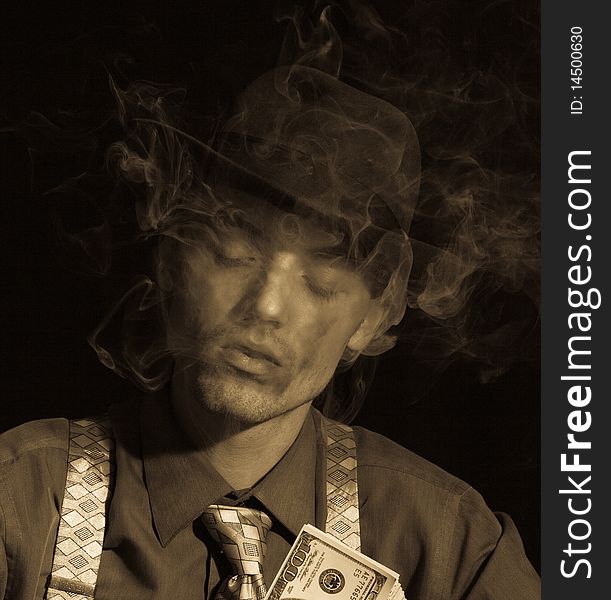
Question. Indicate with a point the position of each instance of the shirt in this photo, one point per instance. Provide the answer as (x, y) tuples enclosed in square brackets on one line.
[(416, 519)]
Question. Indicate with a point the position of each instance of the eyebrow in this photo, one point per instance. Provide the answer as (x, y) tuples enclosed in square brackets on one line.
[(239, 223)]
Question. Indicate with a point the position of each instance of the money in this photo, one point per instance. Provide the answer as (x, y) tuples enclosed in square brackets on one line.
[(319, 566)]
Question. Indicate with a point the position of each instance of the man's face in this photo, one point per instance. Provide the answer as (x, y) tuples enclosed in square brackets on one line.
[(259, 324)]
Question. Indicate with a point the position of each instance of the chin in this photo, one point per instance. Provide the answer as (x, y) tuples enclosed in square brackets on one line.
[(241, 399)]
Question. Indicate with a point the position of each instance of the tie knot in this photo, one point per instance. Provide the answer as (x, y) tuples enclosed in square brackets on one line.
[(242, 533)]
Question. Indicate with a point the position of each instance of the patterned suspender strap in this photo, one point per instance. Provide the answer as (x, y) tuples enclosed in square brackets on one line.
[(81, 529), (342, 486)]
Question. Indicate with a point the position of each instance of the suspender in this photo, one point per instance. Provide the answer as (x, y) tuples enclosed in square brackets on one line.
[(89, 487), (342, 485), (81, 528)]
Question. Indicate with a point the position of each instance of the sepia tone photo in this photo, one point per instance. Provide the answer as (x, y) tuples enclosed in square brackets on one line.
[(272, 301)]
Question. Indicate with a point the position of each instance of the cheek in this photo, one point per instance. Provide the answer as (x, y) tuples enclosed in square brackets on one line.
[(211, 296), (323, 339)]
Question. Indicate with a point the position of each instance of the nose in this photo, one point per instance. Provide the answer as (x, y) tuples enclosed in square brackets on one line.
[(271, 302)]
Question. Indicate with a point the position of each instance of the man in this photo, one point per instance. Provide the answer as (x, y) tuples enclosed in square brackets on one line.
[(283, 257)]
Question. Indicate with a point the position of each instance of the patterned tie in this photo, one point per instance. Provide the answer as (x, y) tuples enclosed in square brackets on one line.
[(241, 532)]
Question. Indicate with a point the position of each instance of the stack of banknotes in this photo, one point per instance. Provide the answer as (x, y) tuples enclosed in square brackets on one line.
[(320, 566)]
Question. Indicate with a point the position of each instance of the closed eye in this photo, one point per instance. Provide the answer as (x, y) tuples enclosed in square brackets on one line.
[(317, 290), (231, 253), (234, 261)]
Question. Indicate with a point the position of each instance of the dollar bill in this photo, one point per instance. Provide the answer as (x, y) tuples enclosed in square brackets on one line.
[(318, 566)]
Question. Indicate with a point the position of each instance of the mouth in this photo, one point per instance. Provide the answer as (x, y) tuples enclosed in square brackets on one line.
[(250, 360)]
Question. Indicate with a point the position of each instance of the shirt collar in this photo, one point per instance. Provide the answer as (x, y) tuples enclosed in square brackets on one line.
[(181, 482), (288, 491)]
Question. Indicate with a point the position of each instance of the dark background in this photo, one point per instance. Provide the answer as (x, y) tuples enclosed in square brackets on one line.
[(57, 57)]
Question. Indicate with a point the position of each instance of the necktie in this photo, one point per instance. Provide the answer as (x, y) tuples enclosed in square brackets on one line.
[(241, 532)]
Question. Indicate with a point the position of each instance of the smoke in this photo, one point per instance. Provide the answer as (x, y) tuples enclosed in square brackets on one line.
[(442, 151), (474, 285), (131, 345), (474, 229)]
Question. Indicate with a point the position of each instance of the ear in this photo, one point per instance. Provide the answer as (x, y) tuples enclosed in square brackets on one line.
[(368, 328)]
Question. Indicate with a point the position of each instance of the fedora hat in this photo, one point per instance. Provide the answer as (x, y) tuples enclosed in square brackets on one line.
[(311, 144)]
